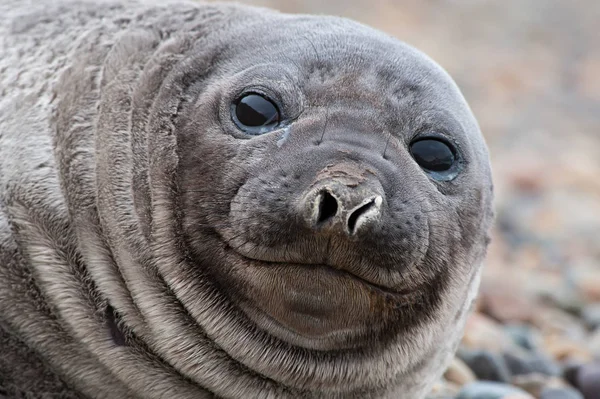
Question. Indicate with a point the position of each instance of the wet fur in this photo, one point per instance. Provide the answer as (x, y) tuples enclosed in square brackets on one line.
[(99, 122)]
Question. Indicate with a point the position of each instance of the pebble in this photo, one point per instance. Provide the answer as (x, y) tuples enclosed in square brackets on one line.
[(524, 336), (491, 390), (535, 383), (564, 295), (505, 304), (486, 365), (520, 363), (588, 380), (560, 393), (443, 389), (588, 282), (459, 373), (557, 322), (531, 383), (591, 315), (562, 349), (594, 344), (570, 373), (481, 332)]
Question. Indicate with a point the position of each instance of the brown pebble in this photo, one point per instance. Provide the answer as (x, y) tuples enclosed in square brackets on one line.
[(563, 349), (444, 388), (507, 306), (594, 344), (459, 373), (481, 332), (588, 283), (535, 383)]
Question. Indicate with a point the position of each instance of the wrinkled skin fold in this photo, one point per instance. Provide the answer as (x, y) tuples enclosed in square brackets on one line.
[(149, 248)]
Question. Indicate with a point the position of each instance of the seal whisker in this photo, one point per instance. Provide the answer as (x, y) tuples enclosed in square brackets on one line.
[(312, 44), (324, 125), (319, 62), (387, 143)]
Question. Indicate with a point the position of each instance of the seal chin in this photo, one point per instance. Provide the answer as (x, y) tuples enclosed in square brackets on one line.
[(317, 306)]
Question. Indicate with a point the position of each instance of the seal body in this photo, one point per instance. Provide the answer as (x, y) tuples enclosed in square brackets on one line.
[(212, 200)]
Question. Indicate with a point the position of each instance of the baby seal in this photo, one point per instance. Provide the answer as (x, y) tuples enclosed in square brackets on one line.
[(213, 200)]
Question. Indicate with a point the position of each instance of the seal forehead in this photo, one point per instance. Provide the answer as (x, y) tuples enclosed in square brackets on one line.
[(355, 60), (317, 41)]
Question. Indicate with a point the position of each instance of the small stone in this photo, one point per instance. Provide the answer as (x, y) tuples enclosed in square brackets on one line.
[(443, 390), (504, 304), (535, 383), (587, 281), (459, 373), (556, 322), (563, 349), (481, 332), (565, 296), (523, 335), (560, 393), (594, 344), (571, 372), (491, 390), (591, 315), (588, 380), (485, 365), (520, 363), (531, 383)]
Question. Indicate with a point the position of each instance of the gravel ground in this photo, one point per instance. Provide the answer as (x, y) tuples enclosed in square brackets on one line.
[(531, 71)]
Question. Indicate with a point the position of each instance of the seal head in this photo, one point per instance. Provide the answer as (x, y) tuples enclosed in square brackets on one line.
[(335, 185)]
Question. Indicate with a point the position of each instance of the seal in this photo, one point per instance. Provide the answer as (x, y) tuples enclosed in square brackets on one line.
[(214, 200)]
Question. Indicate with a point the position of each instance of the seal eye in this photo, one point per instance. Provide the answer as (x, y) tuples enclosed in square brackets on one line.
[(255, 114), (433, 155)]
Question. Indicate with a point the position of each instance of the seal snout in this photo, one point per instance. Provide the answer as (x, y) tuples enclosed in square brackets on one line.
[(348, 209)]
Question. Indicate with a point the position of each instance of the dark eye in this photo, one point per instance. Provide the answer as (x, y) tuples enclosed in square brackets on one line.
[(433, 155), (255, 114)]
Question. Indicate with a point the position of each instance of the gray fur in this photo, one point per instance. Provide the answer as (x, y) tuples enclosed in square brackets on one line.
[(118, 159)]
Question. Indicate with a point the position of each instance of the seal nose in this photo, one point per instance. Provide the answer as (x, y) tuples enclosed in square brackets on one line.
[(338, 207)]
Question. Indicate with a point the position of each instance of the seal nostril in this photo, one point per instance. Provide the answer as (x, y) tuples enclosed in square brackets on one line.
[(358, 213), (328, 207)]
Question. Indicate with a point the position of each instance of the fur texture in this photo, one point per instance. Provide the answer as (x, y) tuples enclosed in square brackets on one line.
[(139, 227)]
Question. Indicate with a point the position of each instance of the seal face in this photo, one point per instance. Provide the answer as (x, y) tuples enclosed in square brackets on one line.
[(223, 201), (334, 216)]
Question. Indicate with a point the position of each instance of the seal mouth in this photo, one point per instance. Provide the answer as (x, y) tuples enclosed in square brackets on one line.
[(377, 288), (316, 305), (256, 254)]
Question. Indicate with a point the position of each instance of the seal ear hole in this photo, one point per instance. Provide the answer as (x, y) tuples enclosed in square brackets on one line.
[(255, 114)]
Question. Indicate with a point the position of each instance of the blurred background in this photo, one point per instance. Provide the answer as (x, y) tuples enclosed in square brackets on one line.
[(530, 69)]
